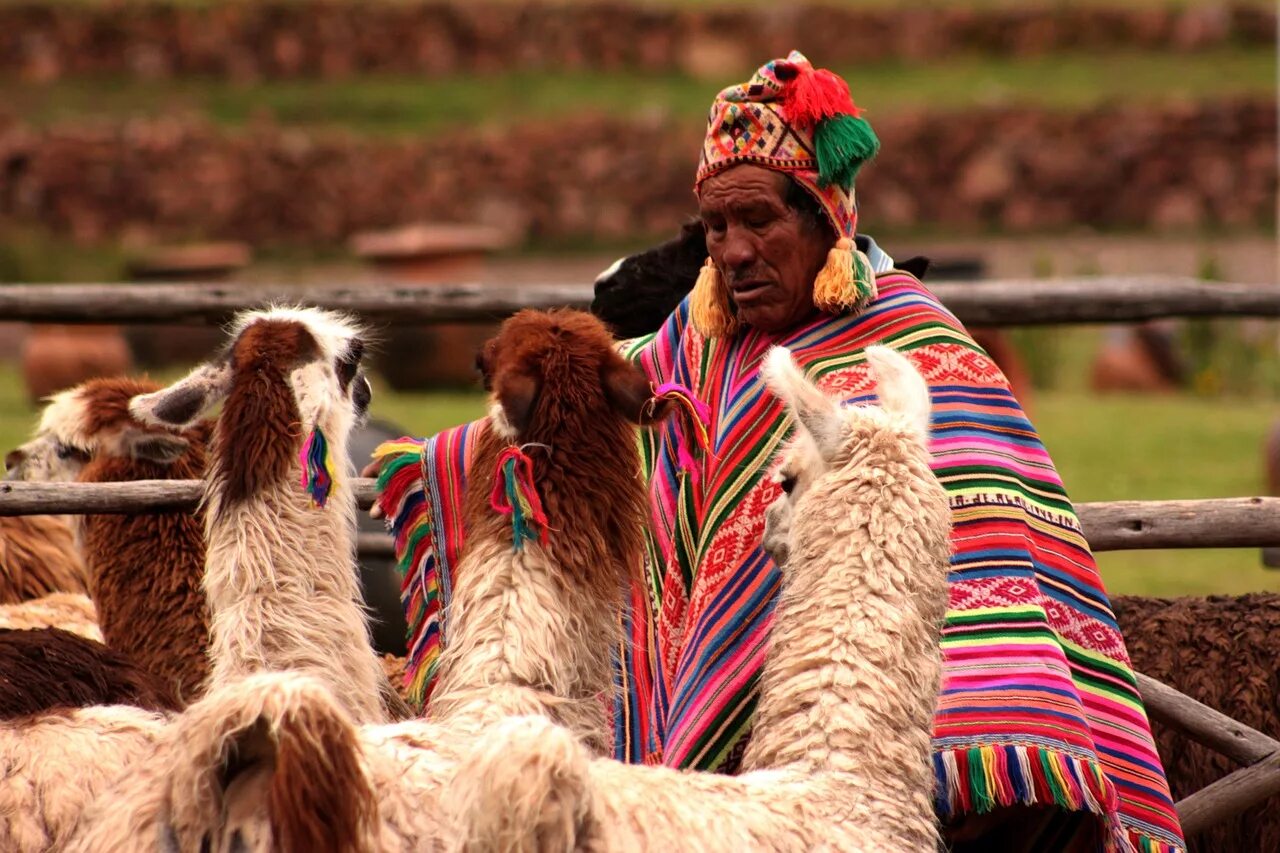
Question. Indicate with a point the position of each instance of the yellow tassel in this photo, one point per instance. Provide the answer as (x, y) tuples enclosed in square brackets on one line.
[(709, 306), (846, 281)]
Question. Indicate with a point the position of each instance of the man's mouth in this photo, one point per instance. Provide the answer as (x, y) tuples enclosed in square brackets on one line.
[(749, 291)]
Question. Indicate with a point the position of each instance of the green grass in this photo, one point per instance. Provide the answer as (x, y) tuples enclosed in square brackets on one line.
[(398, 106), (1105, 448), (1127, 448)]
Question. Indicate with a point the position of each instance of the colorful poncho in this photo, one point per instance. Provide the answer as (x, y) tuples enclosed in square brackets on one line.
[(1038, 703)]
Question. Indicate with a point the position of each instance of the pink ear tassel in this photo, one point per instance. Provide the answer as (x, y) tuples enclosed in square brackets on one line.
[(690, 429)]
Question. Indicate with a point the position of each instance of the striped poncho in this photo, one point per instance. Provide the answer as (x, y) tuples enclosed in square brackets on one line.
[(1038, 703)]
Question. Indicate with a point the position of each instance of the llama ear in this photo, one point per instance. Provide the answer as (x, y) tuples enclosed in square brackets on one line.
[(184, 401), (901, 388), (159, 447), (817, 414), (515, 394), (628, 390)]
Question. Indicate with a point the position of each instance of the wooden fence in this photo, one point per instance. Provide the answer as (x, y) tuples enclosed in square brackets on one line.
[(1120, 525), (1012, 302)]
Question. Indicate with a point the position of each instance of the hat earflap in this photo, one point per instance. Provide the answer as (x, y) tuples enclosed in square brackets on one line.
[(709, 305), (846, 282)]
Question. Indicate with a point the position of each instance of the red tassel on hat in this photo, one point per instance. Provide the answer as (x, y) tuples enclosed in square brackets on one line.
[(815, 95)]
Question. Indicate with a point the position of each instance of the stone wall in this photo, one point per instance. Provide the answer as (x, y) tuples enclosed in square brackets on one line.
[(303, 38), (1189, 166)]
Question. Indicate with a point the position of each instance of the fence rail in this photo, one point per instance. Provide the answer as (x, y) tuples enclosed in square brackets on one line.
[(1010, 302), (1108, 525)]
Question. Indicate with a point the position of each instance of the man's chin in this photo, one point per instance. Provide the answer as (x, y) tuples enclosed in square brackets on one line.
[(761, 319)]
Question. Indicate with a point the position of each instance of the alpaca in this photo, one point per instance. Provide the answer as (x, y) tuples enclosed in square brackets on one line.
[(557, 381), (48, 668), (144, 570), (1220, 650), (69, 611), (840, 752), (280, 576), (38, 556)]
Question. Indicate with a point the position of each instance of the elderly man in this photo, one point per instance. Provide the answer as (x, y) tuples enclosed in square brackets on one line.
[(1041, 741)]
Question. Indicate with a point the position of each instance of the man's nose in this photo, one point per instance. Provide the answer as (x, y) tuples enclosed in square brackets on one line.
[(739, 249)]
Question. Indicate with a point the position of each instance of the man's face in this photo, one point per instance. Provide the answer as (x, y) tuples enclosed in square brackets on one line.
[(767, 253)]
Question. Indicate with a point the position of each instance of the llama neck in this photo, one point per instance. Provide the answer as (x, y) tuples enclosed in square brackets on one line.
[(145, 575), (282, 586), (851, 679), (524, 640)]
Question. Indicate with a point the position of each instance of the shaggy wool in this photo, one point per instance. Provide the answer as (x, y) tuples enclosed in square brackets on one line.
[(1220, 650), (46, 668), (70, 611), (38, 556), (1068, 730)]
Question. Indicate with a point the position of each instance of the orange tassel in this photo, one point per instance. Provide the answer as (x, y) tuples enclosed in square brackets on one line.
[(846, 281), (709, 306)]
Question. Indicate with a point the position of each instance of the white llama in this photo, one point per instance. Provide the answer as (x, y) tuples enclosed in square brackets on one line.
[(840, 752), (280, 576)]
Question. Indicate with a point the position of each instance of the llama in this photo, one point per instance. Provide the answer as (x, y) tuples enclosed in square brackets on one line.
[(556, 381), (144, 570), (840, 752), (532, 627), (47, 668), (56, 763), (1220, 650), (69, 611), (280, 577), (38, 556)]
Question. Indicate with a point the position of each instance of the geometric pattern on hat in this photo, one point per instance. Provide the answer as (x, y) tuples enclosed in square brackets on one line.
[(748, 123)]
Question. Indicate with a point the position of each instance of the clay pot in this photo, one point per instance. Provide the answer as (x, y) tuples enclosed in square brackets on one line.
[(414, 358), (160, 345), (58, 357)]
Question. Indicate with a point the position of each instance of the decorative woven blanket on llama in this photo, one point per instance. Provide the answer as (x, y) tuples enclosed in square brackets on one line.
[(1038, 703)]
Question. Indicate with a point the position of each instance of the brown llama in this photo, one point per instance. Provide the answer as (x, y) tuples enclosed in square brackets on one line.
[(562, 394), (50, 668), (144, 570), (38, 556)]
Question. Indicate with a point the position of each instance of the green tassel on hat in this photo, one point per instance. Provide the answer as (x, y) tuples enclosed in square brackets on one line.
[(843, 143)]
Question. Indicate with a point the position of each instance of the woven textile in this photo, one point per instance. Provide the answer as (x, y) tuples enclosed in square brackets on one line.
[(1038, 702), (748, 123)]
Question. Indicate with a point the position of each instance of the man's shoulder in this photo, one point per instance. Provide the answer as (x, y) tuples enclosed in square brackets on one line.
[(900, 294)]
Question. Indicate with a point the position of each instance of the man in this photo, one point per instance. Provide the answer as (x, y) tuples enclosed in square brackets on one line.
[(1041, 741)]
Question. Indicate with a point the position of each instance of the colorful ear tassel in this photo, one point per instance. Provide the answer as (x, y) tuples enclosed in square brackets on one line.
[(317, 468), (515, 494), (692, 420)]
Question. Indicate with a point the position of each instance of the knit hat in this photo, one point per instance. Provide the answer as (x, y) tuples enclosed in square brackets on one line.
[(795, 119)]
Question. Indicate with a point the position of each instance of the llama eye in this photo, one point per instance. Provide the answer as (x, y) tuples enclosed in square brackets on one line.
[(788, 484), (66, 451)]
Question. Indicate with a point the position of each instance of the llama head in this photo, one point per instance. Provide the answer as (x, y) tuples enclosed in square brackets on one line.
[(830, 436), (547, 369), (93, 421), (287, 374), (560, 391)]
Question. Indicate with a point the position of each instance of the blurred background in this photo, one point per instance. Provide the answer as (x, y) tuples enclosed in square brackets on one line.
[(499, 140)]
